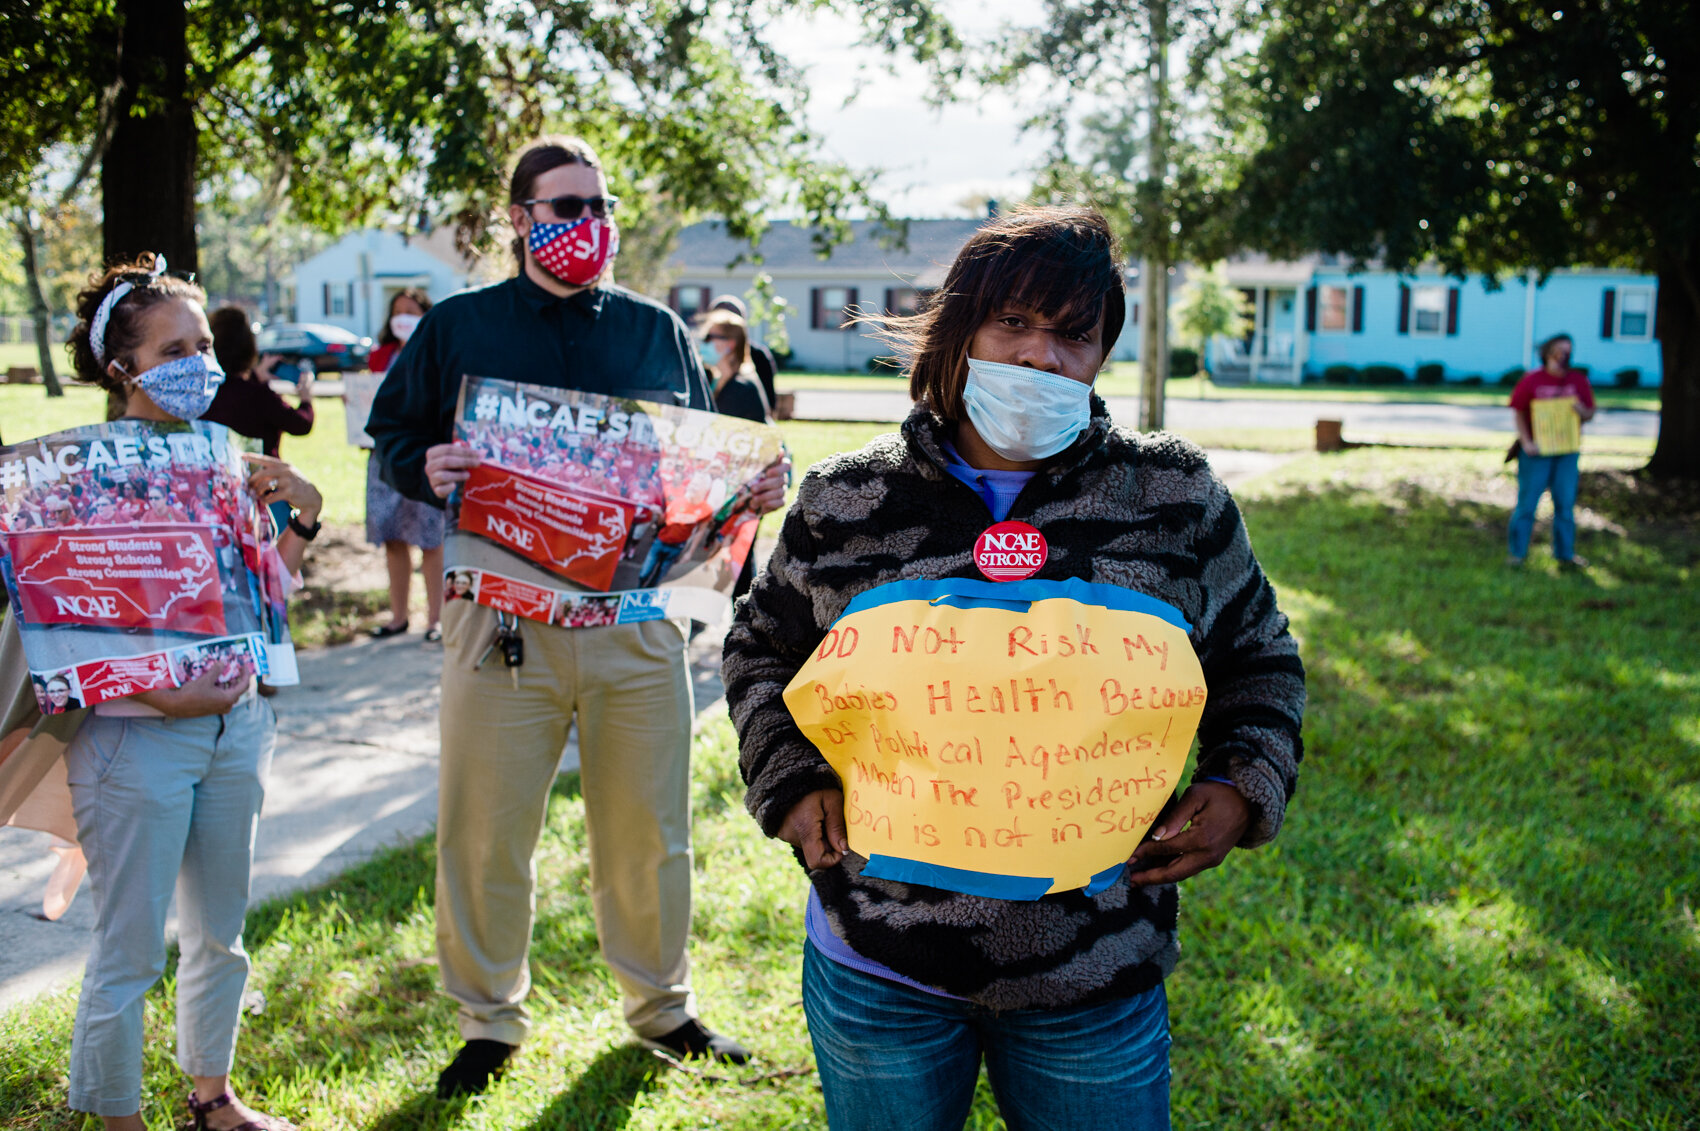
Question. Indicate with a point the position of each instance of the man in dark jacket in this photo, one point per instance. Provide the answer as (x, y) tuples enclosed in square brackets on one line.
[(627, 687)]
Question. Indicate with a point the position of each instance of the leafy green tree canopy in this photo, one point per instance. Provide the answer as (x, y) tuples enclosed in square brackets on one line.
[(1491, 137), (363, 110)]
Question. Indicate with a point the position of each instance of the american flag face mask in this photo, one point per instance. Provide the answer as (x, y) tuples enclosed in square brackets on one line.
[(576, 252)]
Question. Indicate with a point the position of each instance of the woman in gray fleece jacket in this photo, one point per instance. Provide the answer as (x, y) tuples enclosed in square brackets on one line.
[(907, 987)]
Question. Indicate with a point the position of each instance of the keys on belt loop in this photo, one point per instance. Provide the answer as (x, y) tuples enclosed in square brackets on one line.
[(511, 644)]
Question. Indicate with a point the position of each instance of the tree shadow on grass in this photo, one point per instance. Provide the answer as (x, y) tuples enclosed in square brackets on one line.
[(422, 1112), (604, 1093), (1474, 916)]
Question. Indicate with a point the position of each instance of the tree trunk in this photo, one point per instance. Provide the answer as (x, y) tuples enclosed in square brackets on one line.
[(38, 306), (1677, 454), (1153, 342), (1154, 272), (147, 177)]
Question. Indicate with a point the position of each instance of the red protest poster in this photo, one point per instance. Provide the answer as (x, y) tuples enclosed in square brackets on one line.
[(508, 596), (574, 535), (113, 679), (135, 559), (592, 497), (140, 577)]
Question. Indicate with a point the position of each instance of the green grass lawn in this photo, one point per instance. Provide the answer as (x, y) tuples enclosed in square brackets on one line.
[(1481, 912)]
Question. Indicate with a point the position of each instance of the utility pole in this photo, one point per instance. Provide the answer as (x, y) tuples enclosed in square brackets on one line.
[(1154, 273)]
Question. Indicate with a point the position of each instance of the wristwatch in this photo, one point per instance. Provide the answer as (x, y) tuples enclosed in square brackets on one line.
[(308, 533)]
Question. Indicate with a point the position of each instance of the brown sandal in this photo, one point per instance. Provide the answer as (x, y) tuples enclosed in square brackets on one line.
[(266, 1122)]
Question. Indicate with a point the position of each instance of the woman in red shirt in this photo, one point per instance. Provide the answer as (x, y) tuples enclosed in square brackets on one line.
[(1552, 403), (393, 521)]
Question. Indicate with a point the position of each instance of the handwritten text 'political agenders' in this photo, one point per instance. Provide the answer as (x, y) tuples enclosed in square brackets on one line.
[(1039, 743)]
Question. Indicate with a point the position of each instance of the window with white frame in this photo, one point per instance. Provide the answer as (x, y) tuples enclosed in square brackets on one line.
[(1635, 313), (1428, 311), (1332, 303), (339, 300), (832, 307), (902, 301)]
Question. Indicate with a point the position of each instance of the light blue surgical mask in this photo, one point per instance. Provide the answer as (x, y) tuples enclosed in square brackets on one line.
[(709, 353), (1025, 414), (184, 387)]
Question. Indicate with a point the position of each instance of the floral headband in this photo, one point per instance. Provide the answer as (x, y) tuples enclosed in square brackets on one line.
[(103, 313)]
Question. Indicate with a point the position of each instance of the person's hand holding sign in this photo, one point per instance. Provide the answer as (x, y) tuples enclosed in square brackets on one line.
[(203, 695), (767, 490), (270, 480), (1196, 831), (447, 466), (815, 828)]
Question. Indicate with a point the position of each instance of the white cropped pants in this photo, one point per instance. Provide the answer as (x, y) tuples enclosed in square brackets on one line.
[(164, 804)]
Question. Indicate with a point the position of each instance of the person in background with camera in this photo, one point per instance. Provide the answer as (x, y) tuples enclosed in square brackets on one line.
[(246, 402), (394, 521)]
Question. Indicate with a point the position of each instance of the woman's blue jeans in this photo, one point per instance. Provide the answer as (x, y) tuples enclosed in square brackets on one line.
[(894, 1057), (1535, 476)]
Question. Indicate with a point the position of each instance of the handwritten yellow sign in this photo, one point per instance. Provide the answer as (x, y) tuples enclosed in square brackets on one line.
[(1002, 739), (1557, 428)]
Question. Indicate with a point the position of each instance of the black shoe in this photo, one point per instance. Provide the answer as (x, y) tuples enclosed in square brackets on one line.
[(474, 1067), (692, 1039)]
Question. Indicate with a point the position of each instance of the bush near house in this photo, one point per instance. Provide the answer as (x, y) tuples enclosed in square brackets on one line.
[(1431, 373), (1627, 378), (1510, 377), (1382, 375), (1474, 380), (1183, 363), (1340, 375)]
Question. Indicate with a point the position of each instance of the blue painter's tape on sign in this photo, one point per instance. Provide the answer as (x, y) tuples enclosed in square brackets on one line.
[(1104, 879), (956, 879), (967, 592)]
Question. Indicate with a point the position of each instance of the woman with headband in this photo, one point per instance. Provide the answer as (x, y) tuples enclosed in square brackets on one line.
[(166, 785)]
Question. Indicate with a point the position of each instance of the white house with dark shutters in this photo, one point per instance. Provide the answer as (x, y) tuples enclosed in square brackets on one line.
[(1311, 315), (349, 284), (869, 272)]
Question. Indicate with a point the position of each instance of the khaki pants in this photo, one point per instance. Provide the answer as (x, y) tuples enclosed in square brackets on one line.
[(630, 690)]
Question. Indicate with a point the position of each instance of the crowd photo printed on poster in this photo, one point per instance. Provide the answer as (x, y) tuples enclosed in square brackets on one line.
[(135, 559), (593, 510)]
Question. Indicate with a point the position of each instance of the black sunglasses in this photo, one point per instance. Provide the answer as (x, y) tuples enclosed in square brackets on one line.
[(140, 279), (572, 207)]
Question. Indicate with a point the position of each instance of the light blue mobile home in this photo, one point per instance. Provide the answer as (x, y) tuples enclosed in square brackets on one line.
[(1310, 316)]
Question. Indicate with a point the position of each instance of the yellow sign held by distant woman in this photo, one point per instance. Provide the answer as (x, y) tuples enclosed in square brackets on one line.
[(1006, 740), (1556, 425)]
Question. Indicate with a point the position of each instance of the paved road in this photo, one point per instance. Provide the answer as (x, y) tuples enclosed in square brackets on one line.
[(1359, 419)]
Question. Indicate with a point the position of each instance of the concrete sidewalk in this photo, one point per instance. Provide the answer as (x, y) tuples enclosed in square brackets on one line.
[(355, 772)]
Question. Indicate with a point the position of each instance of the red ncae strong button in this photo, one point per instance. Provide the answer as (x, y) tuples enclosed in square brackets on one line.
[(1010, 551)]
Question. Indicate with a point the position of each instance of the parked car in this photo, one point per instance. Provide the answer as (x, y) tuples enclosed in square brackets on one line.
[(327, 347)]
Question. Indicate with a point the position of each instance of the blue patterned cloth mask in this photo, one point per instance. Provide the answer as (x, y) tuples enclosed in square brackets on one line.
[(1025, 414), (184, 387)]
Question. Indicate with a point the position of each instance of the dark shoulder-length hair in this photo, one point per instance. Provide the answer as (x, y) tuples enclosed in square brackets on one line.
[(386, 336), (1061, 262), (234, 343)]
